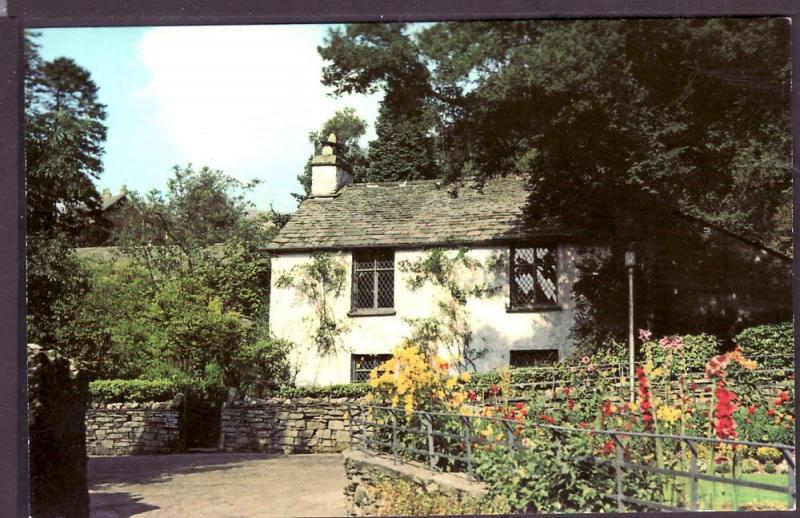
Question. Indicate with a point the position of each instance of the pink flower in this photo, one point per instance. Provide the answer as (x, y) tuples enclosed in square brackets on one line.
[(585, 360), (675, 343), (644, 335)]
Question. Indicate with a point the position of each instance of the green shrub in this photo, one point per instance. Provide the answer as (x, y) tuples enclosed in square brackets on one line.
[(769, 340), (750, 466), (770, 467), (331, 391), (130, 391), (402, 498)]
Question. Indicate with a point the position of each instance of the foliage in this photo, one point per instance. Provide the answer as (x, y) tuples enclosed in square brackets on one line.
[(547, 476), (401, 498), (64, 138), (261, 364), (132, 390), (769, 340), (454, 274), (321, 281), (63, 147), (349, 128), (349, 390), (365, 57)]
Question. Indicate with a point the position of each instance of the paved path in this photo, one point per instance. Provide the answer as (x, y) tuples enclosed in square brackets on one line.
[(217, 485)]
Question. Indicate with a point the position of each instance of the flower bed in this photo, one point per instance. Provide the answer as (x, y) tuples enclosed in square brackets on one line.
[(557, 469)]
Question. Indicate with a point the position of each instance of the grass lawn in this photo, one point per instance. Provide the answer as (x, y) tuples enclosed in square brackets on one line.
[(748, 498)]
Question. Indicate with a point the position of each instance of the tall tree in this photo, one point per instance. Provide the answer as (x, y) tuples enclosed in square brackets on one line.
[(369, 57), (349, 129), (63, 146)]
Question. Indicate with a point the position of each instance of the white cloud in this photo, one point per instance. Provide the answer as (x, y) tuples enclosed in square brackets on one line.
[(243, 98)]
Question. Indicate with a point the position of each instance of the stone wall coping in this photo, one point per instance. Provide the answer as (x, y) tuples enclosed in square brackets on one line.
[(416, 471), (149, 405), (290, 401)]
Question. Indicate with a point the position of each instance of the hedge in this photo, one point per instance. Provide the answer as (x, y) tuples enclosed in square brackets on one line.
[(332, 391), (132, 391), (768, 340)]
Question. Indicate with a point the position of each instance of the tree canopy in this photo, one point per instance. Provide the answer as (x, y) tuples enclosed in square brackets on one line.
[(600, 116)]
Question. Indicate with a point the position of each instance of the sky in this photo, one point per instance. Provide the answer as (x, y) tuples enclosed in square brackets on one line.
[(238, 98)]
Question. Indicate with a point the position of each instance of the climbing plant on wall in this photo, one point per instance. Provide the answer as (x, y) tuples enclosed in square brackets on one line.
[(458, 277), (321, 282)]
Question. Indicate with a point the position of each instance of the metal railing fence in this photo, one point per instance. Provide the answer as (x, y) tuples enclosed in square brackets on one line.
[(448, 441)]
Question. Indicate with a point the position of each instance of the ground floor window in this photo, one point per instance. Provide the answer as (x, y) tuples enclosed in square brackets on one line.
[(362, 364), (534, 357)]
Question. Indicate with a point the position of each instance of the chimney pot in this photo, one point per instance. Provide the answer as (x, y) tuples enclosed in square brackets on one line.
[(329, 172)]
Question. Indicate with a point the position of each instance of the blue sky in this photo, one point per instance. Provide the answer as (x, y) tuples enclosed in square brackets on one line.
[(242, 99)]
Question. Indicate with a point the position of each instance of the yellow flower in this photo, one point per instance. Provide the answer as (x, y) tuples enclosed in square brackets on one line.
[(465, 410), (633, 407), (451, 383), (499, 436), (648, 367), (466, 377), (668, 414), (369, 397), (656, 373)]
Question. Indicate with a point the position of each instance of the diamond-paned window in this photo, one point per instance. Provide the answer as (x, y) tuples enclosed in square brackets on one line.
[(373, 279), (362, 364), (533, 274)]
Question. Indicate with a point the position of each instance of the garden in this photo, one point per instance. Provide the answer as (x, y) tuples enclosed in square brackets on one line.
[(705, 429)]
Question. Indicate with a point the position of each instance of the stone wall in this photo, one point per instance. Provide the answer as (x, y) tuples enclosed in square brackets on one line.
[(365, 471), (279, 425), (132, 428), (57, 396)]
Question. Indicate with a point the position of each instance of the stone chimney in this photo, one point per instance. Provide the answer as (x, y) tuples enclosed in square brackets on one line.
[(329, 172)]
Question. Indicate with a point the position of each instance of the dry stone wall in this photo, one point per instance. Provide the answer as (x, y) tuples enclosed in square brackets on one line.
[(365, 471), (132, 428), (279, 425)]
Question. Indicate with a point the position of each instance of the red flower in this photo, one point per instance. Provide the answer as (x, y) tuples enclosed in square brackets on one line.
[(546, 418), (583, 424), (608, 447), (567, 390), (472, 396), (607, 408), (716, 365), (494, 389), (645, 405), (444, 366), (570, 404), (524, 413), (724, 425), (751, 409), (519, 406), (770, 412), (693, 387), (782, 398), (639, 371)]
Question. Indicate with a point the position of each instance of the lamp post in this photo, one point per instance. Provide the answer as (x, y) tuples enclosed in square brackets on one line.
[(630, 264)]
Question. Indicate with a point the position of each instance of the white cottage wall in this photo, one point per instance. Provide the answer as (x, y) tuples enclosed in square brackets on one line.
[(292, 317)]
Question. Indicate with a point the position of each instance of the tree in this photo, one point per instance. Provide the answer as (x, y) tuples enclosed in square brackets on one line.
[(368, 57), (63, 146), (349, 129)]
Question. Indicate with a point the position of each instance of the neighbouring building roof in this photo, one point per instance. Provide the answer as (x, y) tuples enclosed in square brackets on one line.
[(411, 214), (111, 199)]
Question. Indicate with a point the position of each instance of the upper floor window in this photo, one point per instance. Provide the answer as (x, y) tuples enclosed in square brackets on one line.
[(533, 278), (373, 280)]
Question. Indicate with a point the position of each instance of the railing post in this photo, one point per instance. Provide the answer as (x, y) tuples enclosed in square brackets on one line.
[(363, 420), (509, 435), (467, 442), (620, 457), (394, 435), (791, 487), (693, 480), (429, 434), (350, 424)]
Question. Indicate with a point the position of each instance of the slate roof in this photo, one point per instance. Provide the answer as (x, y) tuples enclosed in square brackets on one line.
[(411, 214)]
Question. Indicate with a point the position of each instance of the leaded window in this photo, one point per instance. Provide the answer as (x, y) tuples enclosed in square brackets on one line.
[(373, 280), (533, 274), (362, 364)]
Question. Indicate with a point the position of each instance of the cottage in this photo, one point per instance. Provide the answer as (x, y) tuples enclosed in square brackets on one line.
[(376, 230)]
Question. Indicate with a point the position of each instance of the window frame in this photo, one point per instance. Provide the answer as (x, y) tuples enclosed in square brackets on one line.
[(513, 306), (375, 309), (354, 370)]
